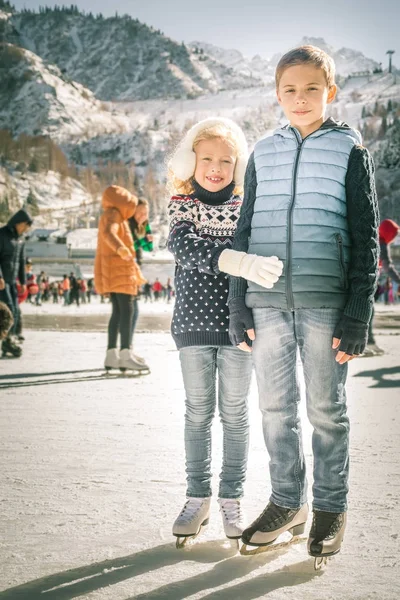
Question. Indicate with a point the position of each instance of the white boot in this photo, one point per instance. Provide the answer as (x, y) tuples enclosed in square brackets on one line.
[(232, 517), (112, 359), (138, 358), (193, 516), (127, 361)]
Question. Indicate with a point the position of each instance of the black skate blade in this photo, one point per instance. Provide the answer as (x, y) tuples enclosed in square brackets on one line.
[(320, 562), (249, 550)]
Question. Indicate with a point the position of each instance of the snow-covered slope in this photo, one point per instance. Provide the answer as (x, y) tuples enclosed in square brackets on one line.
[(60, 199), (36, 99)]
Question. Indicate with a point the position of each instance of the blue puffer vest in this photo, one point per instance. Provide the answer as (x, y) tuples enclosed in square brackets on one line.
[(300, 215)]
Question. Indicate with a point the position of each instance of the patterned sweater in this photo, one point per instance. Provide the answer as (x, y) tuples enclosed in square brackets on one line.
[(202, 225)]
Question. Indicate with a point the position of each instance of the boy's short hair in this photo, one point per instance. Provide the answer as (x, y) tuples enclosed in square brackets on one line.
[(307, 55), (6, 320)]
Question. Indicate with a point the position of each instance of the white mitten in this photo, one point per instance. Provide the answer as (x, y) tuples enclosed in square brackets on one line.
[(263, 270)]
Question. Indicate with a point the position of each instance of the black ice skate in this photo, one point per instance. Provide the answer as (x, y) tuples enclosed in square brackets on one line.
[(326, 536), (272, 522), (9, 347)]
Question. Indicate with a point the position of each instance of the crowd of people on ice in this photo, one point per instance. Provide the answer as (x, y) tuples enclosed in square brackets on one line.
[(72, 289), (277, 253)]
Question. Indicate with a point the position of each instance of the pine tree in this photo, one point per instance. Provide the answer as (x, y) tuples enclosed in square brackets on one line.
[(382, 129), (32, 204), (389, 152), (34, 164), (5, 212)]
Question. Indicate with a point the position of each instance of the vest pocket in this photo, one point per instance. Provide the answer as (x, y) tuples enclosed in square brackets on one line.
[(342, 266)]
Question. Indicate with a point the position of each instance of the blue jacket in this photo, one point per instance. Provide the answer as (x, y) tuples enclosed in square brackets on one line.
[(300, 215)]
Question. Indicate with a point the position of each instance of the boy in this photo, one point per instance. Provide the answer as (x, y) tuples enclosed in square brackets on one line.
[(310, 199)]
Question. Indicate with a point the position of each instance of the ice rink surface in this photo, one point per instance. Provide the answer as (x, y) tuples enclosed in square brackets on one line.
[(92, 478)]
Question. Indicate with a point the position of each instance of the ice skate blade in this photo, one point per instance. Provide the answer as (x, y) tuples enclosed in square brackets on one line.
[(320, 562), (235, 543), (187, 540), (134, 372), (245, 551)]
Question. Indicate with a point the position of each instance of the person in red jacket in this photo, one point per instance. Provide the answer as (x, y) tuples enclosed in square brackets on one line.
[(388, 231), (25, 293), (157, 289)]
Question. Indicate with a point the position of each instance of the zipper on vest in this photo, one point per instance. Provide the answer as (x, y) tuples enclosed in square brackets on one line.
[(289, 286)]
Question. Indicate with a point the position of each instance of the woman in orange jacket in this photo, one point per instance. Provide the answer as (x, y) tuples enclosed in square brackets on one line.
[(117, 273)]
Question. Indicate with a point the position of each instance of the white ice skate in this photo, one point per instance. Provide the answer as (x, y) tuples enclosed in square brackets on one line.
[(112, 359), (138, 358), (194, 515), (127, 362), (232, 517)]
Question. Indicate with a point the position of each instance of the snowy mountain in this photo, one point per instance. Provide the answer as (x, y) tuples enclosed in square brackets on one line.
[(347, 61), (255, 67), (50, 89), (117, 58)]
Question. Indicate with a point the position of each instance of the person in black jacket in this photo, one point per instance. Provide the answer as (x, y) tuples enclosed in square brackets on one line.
[(388, 231), (12, 266), (143, 241)]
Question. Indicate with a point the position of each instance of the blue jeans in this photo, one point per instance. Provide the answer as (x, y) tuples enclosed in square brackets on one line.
[(278, 334), (202, 367)]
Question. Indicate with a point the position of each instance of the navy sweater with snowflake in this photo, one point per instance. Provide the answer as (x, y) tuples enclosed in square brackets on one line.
[(202, 225)]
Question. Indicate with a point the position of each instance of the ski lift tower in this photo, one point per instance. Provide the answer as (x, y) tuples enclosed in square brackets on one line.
[(390, 52)]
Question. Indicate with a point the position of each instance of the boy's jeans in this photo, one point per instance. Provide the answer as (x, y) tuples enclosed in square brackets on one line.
[(201, 366), (278, 333)]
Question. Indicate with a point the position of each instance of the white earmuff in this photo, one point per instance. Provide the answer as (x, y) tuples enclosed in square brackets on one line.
[(183, 161)]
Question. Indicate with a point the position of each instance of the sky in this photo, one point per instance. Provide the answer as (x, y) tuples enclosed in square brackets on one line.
[(261, 26)]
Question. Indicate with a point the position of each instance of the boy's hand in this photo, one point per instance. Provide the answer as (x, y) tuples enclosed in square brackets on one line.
[(240, 323), (349, 338)]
